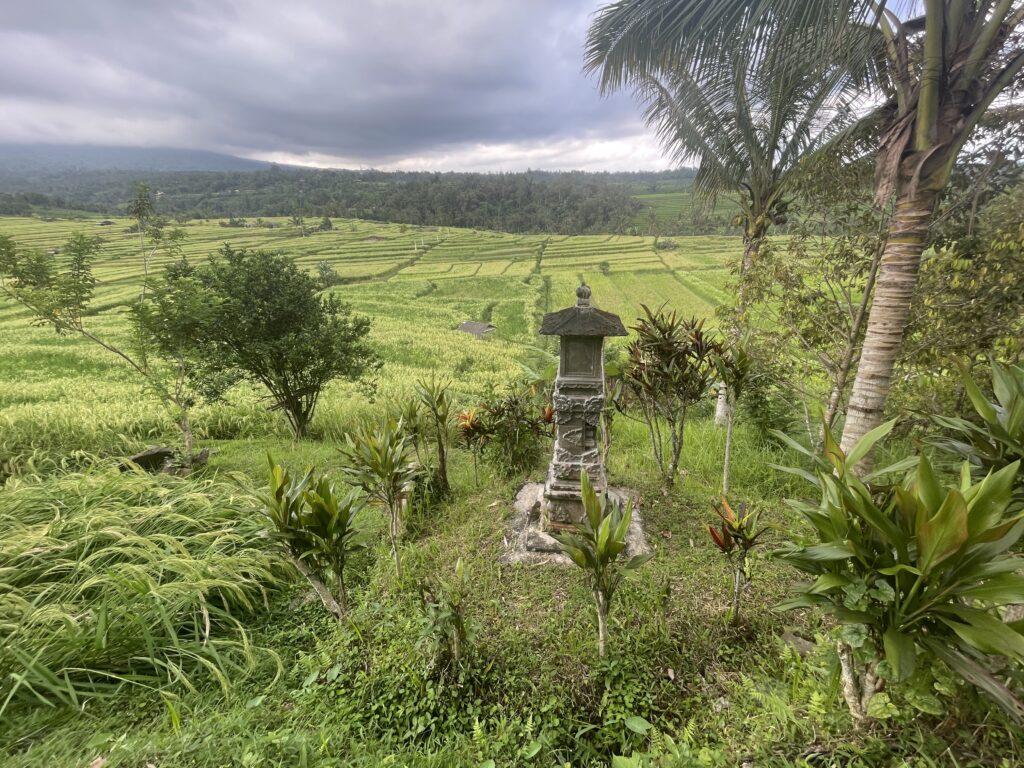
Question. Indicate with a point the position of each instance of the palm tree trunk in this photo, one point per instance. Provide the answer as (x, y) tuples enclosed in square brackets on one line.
[(897, 280)]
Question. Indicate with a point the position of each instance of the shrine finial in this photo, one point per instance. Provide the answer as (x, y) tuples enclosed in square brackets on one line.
[(583, 295)]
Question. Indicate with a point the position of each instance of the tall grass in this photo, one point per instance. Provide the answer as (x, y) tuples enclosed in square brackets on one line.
[(111, 578)]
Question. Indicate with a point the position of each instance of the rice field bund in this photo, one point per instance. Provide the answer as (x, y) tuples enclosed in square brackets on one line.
[(418, 284)]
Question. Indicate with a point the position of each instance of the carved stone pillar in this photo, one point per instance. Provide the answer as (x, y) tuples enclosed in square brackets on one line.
[(578, 401)]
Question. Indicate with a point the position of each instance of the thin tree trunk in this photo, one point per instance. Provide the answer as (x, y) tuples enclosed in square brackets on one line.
[(728, 452), (185, 425), (602, 624), (850, 353), (897, 280), (737, 588), (320, 588), (342, 592), (393, 535)]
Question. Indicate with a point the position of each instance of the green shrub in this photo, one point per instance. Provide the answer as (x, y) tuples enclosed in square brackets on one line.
[(515, 430), (599, 540), (379, 461), (913, 572), (316, 528), (109, 578), (999, 439)]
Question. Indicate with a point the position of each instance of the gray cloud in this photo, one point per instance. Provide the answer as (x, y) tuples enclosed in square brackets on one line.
[(374, 82)]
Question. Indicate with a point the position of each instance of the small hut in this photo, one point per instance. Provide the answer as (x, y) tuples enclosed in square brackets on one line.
[(478, 329)]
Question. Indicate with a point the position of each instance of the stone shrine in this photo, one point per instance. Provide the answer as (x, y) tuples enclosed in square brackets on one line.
[(579, 399)]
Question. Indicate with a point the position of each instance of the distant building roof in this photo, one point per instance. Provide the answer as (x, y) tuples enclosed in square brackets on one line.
[(476, 327)]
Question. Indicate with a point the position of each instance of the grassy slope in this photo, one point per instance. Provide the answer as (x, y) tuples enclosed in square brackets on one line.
[(358, 694)]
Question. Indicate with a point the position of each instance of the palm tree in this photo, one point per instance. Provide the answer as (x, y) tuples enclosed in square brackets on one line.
[(748, 131), (932, 78)]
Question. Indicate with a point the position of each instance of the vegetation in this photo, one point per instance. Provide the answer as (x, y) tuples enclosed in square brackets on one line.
[(736, 536), (672, 364), (596, 545), (912, 571), (316, 529)]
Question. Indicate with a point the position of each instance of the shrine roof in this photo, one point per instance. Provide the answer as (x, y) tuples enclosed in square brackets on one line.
[(582, 321)]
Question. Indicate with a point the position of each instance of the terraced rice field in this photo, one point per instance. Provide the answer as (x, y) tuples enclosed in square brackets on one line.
[(418, 284)]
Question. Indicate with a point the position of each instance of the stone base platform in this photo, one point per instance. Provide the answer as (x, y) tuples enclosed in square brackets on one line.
[(525, 542)]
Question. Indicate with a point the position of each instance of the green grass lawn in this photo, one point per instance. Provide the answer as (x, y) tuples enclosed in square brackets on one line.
[(533, 690)]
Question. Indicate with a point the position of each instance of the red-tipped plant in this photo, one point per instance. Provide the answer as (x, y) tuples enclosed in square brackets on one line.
[(735, 537)]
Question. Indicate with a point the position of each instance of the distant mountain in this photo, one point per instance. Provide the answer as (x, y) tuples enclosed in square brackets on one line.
[(33, 159)]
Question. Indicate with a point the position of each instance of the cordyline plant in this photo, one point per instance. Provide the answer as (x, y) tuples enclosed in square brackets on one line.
[(671, 367), (735, 537), (316, 528), (379, 461), (596, 547), (999, 439), (435, 399), (913, 571), (473, 434), (445, 626), (734, 368)]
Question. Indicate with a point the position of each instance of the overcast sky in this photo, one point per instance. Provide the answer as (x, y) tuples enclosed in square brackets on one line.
[(407, 84)]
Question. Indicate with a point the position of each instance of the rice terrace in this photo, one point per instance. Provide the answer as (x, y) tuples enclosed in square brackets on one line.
[(633, 384)]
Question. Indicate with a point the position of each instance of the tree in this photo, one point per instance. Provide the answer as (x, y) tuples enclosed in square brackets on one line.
[(271, 326), (734, 368), (143, 210), (934, 77), (166, 323)]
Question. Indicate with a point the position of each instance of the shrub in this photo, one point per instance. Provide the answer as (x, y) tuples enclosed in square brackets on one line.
[(736, 537), (515, 429), (671, 367), (379, 461), (445, 626), (111, 577), (316, 528), (598, 541), (999, 439), (912, 572)]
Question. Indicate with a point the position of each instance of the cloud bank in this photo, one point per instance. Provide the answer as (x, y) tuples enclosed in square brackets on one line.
[(485, 85)]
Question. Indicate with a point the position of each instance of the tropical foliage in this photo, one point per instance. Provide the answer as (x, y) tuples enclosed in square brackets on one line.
[(596, 546), (913, 572), (316, 527)]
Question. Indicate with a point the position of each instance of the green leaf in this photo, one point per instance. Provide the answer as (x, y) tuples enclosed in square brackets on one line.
[(984, 632), (866, 443), (881, 707), (900, 652), (827, 552), (828, 581), (637, 724), (942, 535), (854, 635)]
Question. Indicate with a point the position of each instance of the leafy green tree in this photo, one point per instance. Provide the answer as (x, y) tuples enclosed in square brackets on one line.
[(166, 324), (596, 546), (912, 572), (271, 326), (378, 459), (934, 78), (670, 367)]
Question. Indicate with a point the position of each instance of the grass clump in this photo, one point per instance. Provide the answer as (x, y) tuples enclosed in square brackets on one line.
[(110, 577)]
